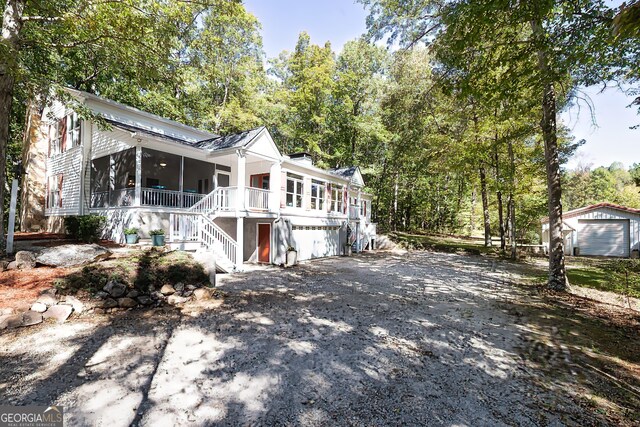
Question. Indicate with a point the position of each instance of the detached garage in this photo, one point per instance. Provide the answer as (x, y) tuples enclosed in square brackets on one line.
[(599, 230)]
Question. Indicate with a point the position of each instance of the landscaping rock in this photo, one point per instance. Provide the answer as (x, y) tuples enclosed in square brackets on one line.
[(31, 318), (179, 287), (167, 290), (38, 307), (72, 255), (108, 303), (101, 295), (115, 289), (176, 299), (127, 302), (59, 312), (25, 260), (191, 287), (47, 299), (144, 300), (7, 311), (133, 294), (202, 293), (4, 265), (12, 265), (10, 321), (77, 305), (49, 291)]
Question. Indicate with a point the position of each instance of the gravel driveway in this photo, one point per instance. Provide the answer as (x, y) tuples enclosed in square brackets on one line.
[(380, 339)]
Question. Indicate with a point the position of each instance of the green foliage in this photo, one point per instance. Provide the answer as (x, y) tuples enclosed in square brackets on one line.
[(86, 228), (613, 184), (144, 271), (158, 232), (131, 230)]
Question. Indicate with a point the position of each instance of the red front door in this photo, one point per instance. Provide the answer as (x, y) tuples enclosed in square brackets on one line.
[(264, 243)]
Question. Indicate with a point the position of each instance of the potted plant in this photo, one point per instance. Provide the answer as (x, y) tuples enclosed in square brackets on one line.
[(157, 237), (292, 256), (131, 235)]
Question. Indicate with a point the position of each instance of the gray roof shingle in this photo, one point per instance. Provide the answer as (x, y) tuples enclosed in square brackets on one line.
[(235, 140)]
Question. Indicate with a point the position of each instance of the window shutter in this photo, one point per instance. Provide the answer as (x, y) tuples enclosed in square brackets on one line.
[(47, 196), (60, 190), (283, 189), (345, 203), (63, 134)]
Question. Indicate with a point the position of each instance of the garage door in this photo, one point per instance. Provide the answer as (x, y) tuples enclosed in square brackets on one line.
[(603, 237), (316, 242)]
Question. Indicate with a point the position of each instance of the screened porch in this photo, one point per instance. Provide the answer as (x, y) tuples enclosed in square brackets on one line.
[(141, 176)]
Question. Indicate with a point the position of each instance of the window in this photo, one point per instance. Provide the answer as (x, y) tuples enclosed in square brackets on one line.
[(295, 189), (337, 198), (64, 133), (260, 181), (54, 192), (73, 130), (317, 194), (363, 208)]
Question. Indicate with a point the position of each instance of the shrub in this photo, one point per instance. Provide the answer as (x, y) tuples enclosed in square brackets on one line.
[(158, 232), (132, 230), (86, 228)]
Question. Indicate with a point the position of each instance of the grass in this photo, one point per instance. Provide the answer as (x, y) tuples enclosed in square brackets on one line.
[(142, 270), (441, 243), (621, 276)]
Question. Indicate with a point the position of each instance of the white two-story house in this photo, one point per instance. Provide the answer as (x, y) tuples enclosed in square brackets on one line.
[(236, 196)]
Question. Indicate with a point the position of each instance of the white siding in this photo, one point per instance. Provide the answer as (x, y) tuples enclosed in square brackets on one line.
[(105, 142), (69, 164)]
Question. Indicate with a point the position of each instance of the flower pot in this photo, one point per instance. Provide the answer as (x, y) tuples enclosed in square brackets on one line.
[(292, 258), (157, 239), (132, 239)]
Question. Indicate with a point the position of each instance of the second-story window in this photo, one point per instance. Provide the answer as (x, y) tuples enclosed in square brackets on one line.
[(64, 134), (295, 190), (73, 130), (337, 195), (317, 194)]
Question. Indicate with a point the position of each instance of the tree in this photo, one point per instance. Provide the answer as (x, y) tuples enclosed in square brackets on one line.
[(544, 45)]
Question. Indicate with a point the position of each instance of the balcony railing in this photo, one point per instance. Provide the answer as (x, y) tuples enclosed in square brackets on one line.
[(257, 198)]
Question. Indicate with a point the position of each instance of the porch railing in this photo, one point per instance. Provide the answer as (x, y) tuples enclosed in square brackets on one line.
[(194, 227), (257, 198), (222, 198), (148, 197)]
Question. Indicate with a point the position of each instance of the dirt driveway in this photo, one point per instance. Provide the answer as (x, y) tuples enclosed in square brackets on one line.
[(417, 339)]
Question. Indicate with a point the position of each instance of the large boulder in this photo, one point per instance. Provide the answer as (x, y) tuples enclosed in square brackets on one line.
[(72, 255), (58, 312), (115, 289), (25, 260)]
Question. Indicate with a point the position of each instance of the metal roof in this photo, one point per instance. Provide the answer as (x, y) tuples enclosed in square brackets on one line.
[(236, 140)]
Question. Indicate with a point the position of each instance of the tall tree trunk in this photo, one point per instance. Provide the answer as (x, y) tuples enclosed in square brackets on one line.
[(395, 205), (472, 217), (557, 272), (512, 204), (485, 207), (11, 26), (496, 159)]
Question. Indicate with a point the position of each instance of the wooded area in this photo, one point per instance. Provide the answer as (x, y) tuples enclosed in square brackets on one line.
[(455, 127)]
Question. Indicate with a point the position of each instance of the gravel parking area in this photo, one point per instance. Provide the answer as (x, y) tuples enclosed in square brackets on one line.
[(377, 339)]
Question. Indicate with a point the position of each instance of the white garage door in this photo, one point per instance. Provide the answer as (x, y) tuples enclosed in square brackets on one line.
[(316, 242), (603, 237)]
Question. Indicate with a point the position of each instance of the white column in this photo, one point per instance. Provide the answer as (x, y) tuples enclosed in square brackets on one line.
[(138, 200), (239, 242), (241, 179), (181, 184), (275, 178)]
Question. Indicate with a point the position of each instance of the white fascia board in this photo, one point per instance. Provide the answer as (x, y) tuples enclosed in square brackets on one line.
[(296, 167), (86, 96)]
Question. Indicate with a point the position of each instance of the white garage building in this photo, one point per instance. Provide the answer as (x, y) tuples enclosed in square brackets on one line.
[(599, 230)]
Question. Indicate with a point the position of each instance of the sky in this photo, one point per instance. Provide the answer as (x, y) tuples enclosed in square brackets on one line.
[(338, 21)]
